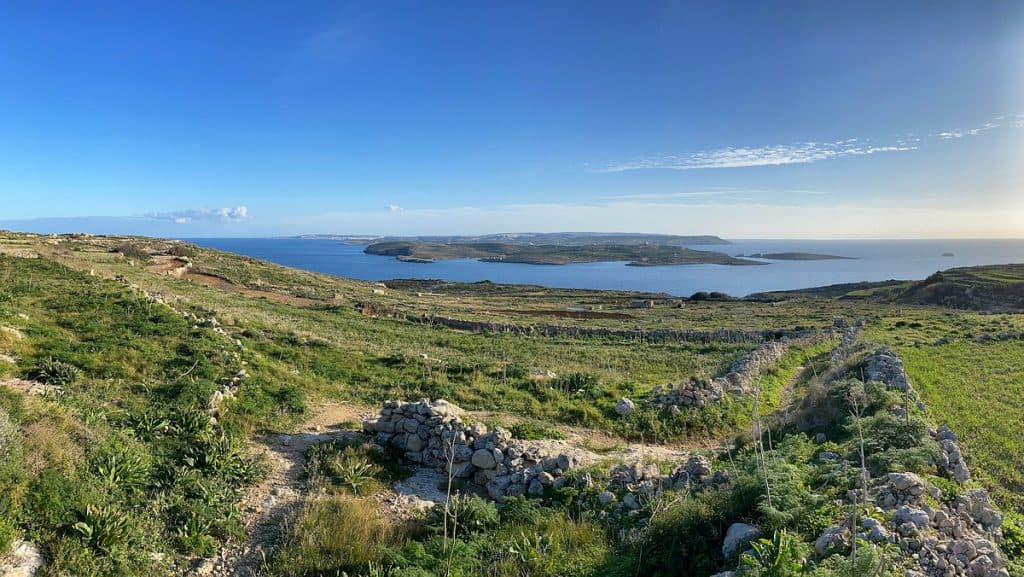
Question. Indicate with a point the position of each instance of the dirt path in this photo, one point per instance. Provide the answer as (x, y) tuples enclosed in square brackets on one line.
[(787, 396), (269, 505)]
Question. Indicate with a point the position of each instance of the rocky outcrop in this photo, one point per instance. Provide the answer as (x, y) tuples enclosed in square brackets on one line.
[(739, 380), (847, 339), (885, 366), (625, 407), (957, 538)]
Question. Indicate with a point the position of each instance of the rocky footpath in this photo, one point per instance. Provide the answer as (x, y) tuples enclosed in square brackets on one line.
[(739, 380)]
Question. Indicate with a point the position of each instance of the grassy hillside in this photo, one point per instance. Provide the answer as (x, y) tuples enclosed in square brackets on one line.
[(116, 352)]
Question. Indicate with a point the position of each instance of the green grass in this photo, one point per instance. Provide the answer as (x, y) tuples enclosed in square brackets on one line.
[(977, 389)]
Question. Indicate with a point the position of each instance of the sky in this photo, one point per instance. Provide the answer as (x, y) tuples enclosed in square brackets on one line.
[(809, 119)]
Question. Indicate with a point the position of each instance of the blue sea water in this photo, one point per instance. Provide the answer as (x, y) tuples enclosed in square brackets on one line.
[(876, 260)]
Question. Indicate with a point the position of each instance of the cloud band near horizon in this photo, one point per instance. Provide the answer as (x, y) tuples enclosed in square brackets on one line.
[(798, 153)]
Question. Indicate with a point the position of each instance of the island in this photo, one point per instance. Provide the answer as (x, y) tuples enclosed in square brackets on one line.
[(537, 238), (795, 256), (551, 254)]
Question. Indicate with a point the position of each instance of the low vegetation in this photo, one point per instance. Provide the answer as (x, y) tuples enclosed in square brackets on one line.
[(132, 403)]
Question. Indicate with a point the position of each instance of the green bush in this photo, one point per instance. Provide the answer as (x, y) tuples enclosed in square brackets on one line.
[(54, 372), (103, 527), (122, 466)]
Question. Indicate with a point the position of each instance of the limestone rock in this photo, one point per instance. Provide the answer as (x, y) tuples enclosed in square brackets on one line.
[(625, 407), (737, 537)]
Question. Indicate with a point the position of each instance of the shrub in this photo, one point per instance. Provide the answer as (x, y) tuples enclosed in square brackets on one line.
[(180, 249), (473, 514), (686, 539), (103, 527), (336, 533), (133, 251), (781, 556), (870, 560), (574, 383), (353, 471), (54, 372)]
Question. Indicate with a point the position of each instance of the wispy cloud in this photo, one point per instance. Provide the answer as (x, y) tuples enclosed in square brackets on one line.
[(699, 194), (800, 152), (227, 215), (742, 157)]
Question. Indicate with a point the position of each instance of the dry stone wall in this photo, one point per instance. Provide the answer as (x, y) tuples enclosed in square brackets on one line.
[(432, 434), (739, 380)]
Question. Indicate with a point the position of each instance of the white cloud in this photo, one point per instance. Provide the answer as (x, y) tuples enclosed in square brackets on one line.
[(227, 214), (1011, 120), (742, 157), (395, 208), (799, 153)]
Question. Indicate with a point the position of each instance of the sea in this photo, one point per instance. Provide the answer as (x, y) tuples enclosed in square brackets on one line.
[(871, 260)]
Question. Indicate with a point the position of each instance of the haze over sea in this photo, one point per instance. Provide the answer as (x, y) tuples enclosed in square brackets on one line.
[(875, 260)]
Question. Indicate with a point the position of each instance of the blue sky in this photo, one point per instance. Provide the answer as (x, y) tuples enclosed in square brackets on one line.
[(745, 119)]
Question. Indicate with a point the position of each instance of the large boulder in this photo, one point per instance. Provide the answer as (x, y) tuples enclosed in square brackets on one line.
[(484, 459), (625, 407), (737, 537)]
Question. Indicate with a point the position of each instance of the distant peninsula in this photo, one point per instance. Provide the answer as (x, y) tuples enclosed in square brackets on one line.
[(795, 256), (551, 254)]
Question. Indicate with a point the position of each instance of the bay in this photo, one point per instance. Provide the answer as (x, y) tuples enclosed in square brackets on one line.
[(874, 260)]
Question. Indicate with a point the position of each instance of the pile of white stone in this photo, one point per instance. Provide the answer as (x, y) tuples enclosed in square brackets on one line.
[(956, 539), (433, 435), (739, 380)]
